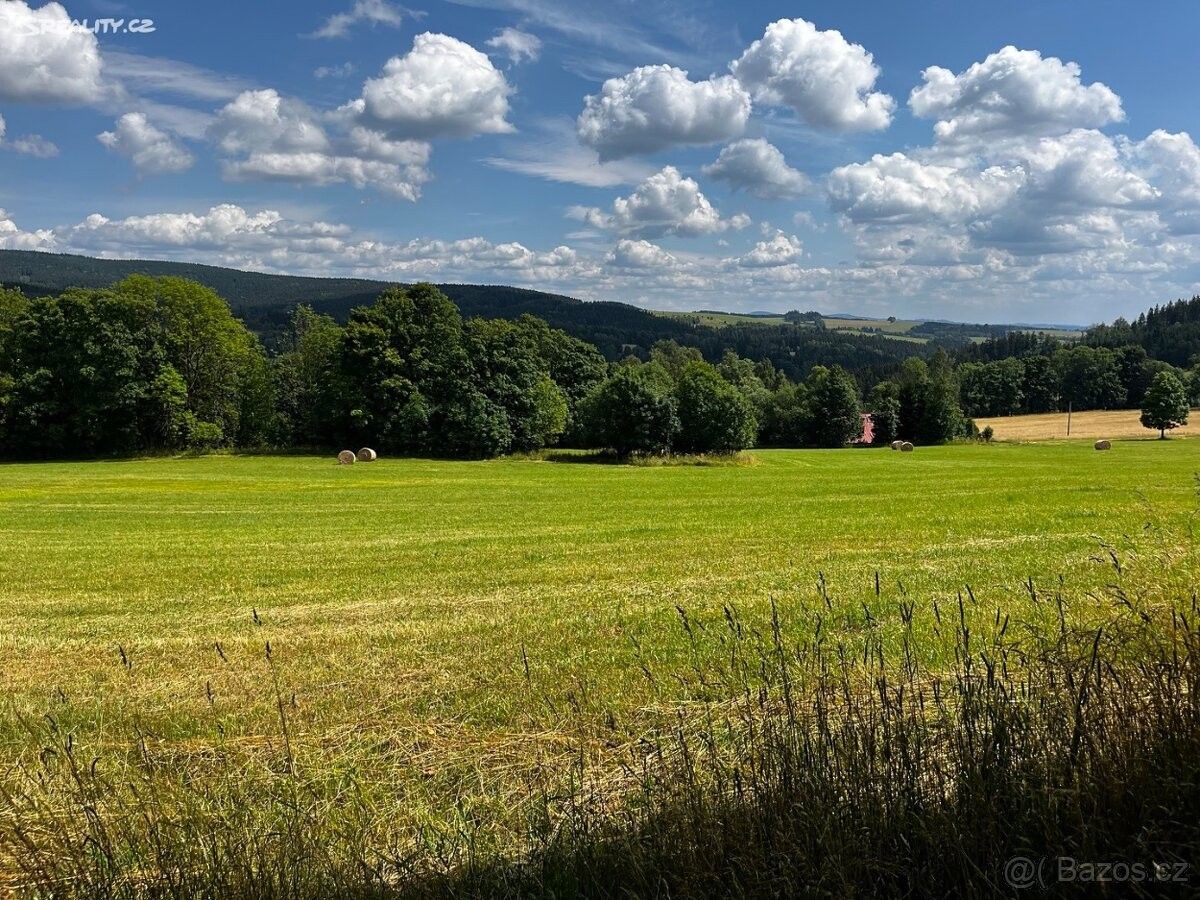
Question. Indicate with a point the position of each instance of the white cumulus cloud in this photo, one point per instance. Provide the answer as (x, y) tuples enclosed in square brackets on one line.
[(898, 188), (757, 166), (43, 59), (270, 137), (780, 250), (825, 79), (151, 150), (1010, 93), (13, 238), (665, 203), (441, 88), (631, 254), (656, 107)]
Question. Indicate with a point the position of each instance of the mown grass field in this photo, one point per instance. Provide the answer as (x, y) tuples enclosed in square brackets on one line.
[(1114, 424), (437, 626)]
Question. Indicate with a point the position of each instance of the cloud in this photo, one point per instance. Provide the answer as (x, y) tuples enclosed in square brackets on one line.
[(1172, 162), (151, 150), (263, 120), (780, 250), (1013, 92), (372, 12), (27, 144), (640, 255), (519, 46), (13, 238), (1080, 202), (266, 240), (343, 70), (665, 203), (555, 154), (657, 107), (43, 59), (898, 188), (825, 80), (757, 166), (280, 139), (152, 74), (441, 88)]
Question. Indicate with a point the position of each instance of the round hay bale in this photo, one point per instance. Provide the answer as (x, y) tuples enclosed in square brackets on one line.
[(366, 454), (907, 447), (346, 458), (1103, 445), (896, 445)]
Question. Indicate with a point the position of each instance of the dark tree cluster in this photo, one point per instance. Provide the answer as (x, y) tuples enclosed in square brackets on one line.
[(1077, 377), (161, 363)]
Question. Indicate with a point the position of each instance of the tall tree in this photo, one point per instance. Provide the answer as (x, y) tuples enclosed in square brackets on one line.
[(884, 405), (633, 411), (834, 415), (1166, 404), (714, 416)]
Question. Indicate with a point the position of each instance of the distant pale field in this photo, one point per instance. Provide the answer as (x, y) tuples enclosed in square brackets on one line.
[(1114, 424), (442, 624)]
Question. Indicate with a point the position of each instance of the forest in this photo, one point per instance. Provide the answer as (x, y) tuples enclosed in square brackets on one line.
[(161, 363)]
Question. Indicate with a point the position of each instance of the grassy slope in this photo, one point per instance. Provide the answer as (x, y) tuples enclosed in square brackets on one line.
[(400, 594)]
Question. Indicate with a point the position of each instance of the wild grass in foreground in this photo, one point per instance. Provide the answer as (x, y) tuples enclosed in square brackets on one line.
[(828, 762)]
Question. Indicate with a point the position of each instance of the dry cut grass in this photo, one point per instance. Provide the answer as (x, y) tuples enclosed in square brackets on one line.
[(1113, 424)]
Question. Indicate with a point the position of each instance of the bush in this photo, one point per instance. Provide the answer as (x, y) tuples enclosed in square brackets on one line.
[(987, 434), (204, 435)]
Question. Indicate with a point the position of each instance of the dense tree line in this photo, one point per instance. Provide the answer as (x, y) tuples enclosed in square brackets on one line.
[(1078, 377), (1170, 333), (161, 363)]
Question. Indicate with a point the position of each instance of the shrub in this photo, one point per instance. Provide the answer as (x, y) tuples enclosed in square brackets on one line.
[(204, 435)]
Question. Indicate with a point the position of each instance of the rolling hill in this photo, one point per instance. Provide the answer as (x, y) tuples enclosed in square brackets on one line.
[(265, 302)]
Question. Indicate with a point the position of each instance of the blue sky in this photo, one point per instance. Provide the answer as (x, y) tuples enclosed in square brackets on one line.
[(1030, 161)]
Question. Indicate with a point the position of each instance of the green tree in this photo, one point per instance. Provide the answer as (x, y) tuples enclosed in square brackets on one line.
[(1165, 405), (884, 404), (575, 366), (834, 417), (674, 357), (714, 416), (310, 390), (1040, 388), (929, 410), (744, 375), (1090, 377), (89, 376), (632, 411), (530, 409), (409, 380), (221, 362), (785, 416)]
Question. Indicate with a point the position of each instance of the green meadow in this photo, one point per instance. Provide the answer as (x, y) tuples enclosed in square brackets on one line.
[(414, 593), (443, 634)]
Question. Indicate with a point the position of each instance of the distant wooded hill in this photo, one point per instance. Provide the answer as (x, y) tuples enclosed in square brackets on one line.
[(265, 303)]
